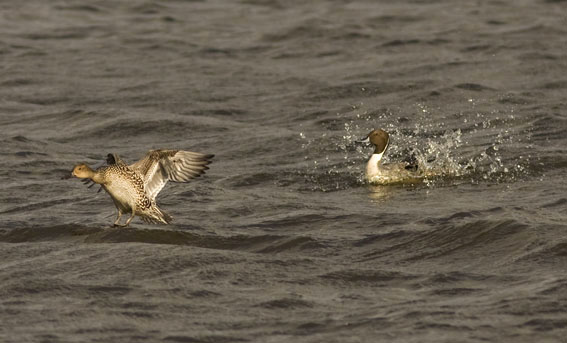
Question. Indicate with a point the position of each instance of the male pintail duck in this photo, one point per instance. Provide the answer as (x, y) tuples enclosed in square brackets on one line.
[(134, 188), (381, 173)]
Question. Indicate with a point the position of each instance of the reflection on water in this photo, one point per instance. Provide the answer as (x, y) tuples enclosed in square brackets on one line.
[(380, 193)]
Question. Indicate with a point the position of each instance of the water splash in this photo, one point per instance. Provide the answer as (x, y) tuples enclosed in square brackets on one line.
[(467, 146)]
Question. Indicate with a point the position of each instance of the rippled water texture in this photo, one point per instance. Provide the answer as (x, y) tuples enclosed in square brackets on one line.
[(282, 240)]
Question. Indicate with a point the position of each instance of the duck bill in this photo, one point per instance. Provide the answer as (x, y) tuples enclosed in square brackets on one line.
[(364, 140), (67, 176)]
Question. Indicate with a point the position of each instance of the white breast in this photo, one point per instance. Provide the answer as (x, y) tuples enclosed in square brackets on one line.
[(372, 170)]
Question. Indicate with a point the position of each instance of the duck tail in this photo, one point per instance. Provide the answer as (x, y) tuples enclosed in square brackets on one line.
[(157, 215), (411, 161), (166, 217)]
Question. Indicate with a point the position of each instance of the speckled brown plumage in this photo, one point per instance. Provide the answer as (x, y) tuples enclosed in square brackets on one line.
[(122, 171), (133, 188)]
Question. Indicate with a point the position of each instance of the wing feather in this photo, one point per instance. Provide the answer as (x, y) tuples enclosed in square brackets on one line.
[(160, 166)]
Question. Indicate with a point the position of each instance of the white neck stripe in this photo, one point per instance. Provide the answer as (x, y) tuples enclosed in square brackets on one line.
[(372, 165)]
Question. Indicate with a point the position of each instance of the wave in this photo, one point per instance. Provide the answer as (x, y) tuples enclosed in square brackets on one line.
[(119, 129), (372, 276), (477, 241), (264, 244)]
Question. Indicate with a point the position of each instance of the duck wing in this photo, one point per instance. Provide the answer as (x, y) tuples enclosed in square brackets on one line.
[(160, 166), (113, 158)]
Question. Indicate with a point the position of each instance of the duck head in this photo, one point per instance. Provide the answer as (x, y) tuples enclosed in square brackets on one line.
[(379, 138), (82, 171)]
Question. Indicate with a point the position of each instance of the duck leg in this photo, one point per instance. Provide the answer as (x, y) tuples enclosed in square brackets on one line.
[(129, 219), (117, 221)]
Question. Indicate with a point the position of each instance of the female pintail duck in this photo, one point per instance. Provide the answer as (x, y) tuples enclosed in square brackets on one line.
[(134, 188), (377, 172)]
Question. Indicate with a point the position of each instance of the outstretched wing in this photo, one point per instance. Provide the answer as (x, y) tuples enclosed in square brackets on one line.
[(160, 166)]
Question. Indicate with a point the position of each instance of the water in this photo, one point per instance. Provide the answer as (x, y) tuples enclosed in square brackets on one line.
[(282, 240)]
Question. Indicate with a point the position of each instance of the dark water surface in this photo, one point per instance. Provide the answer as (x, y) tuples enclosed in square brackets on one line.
[(282, 241)]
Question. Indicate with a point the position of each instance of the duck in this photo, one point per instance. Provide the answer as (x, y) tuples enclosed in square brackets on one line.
[(133, 188), (384, 173)]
